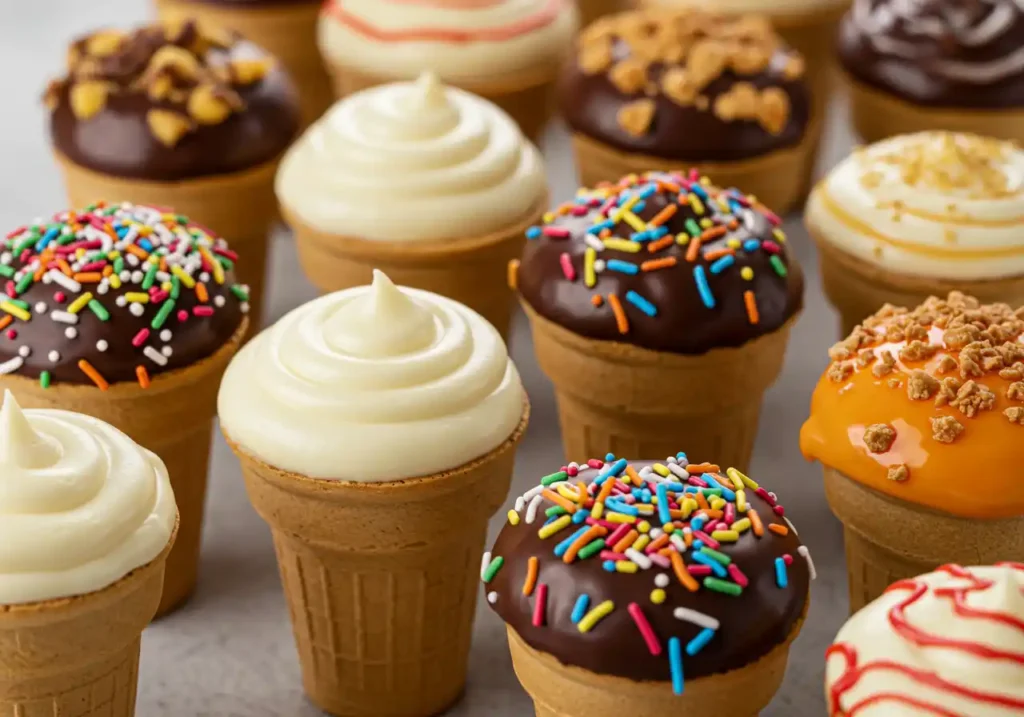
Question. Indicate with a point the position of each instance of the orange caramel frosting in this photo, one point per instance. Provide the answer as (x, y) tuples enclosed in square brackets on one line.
[(927, 406)]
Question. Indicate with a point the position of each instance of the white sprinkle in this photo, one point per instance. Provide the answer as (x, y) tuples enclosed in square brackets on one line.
[(599, 265), (71, 332), (592, 241), (41, 307), (64, 317), (11, 365), (155, 356), (6, 257), (533, 492), (165, 335), (125, 275), (677, 542), (53, 356), (520, 504), (25, 351), (656, 533), (121, 301), (531, 510), (204, 276), (137, 276), (484, 562), (671, 459), (166, 351), (661, 580), (131, 259), (219, 301), (244, 307), (103, 287), (810, 563), (66, 281), (791, 526), (136, 309), (639, 558), (696, 618), (678, 471), (162, 276), (102, 345), (492, 597)]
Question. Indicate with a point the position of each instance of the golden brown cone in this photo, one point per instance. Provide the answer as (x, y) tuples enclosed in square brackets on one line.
[(381, 578), (471, 270), (174, 419), (78, 656), (889, 539), (240, 207), (877, 115), (857, 288), (287, 31), (564, 691), (622, 399)]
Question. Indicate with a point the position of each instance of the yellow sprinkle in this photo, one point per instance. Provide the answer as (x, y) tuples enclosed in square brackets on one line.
[(642, 542), (115, 281), (619, 214), (80, 303), (748, 482), (622, 245), (598, 510), (634, 221), (15, 311), (682, 239), (668, 528), (567, 492), (551, 528), (733, 243), (688, 506), (626, 566), (183, 276), (723, 205), (619, 518), (726, 536), (716, 503), (643, 526), (697, 204), (589, 275), (513, 518), (747, 273), (595, 616), (548, 217), (741, 501), (706, 223), (779, 235), (113, 254), (742, 525), (512, 278), (661, 470), (137, 297), (657, 596), (167, 286)]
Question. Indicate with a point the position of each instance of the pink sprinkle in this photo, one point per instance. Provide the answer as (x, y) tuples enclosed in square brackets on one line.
[(567, 268), (16, 232), (607, 207), (708, 540), (771, 217), (737, 575), (614, 557), (26, 254), (618, 534), (573, 471), (787, 559), (694, 480), (157, 297), (660, 560), (222, 251), (59, 297), (763, 494), (694, 175), (182, 315), (770, 247), (602, 523), (594, 463), (202, 310), (94, 266), (140, 338), (555, 232), (730, 513), (720, 525), (779, 511), (699, 571), (579, 210), (12, 334), (540, 606), (10, 289), (646, 631)]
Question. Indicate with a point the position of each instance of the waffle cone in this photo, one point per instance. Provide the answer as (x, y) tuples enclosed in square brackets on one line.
[(287, 31), (780, 180), (857, 289), (889, 539), (471, 270), (564, 691), (529, 98), (381, 578), (78, 656), (877, 115), (629, 401), (241, 207), (174, 419)]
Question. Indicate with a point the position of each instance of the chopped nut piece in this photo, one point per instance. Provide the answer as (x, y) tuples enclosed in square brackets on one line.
[(888, 363), (973, 397), (595, 57), (168, 127), (839, 371), (947, 364), (921, 386), (1015, 392), (88, 98), (773, 110), (948, 388), (104, 43), (898, 473), (636, 117), (706, 62), (917, 351), (248, 72), (894, 382), (677, 87), (207, 106), (879, 437), (946, 429), (865, 358), (183, 62), (629, 76), (1015, 414)]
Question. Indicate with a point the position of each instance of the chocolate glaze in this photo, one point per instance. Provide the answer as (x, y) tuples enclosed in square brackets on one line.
[(899, 57), (762, 617), (119, 142), (683, 324)]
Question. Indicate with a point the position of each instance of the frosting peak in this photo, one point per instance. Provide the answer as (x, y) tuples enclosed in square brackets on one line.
[(21, 446)]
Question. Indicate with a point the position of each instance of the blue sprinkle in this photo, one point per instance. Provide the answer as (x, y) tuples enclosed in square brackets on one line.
[(641, 236), (698, 522), (640, 302), (564, 545), (728, 494), (579, 516), (751, 245), (659, 232), (691, 489), (675, 661), (781, 578), (598, 228), (715, 566), (637, 493), (580, 608), (622, 266), (552, 519), (646, 497), (698, 190), (674, 487), (702, 287), (609, 566), (681, 457), (722, 264), (614, 469), (638, 207), (533, 232), (145, 244), (697, 644), (736, 207), (648, 191), (620, 507), (698, 544), (609, 457), (663, 515)]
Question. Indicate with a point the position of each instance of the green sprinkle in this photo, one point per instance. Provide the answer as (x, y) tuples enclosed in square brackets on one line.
[(693, 227), (555, 510), (710, 491), (161, 316), (777, 264), (97, 308), (240, 293), (67, 238), (150, 279), (181, 219), (23, 283), (175, 287), (553, 478), (7, 271), (23, 245), (118, 265), (722, 586), (493, 569), (225, 262), (19, 303), (591, 549), (44, 379), (716, 556)]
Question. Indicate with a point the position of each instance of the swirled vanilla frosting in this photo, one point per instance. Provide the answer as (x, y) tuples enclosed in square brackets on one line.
[(81, 504), (375, 383), (412, 161)]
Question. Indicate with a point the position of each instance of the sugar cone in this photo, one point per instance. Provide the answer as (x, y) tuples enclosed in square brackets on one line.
[(857, 289), (240, 207), (877, 115), (780, 180), (621, 399), (889, 539), (471, 270), (78, 656), (381, 578), (528, 98), (563, 691), (287, 31), (174, 419)]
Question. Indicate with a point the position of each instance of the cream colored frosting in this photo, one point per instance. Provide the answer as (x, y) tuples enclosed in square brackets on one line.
[(81, 504), (375, 383), (473, 42), (936, 204), (412, 161), (764, 7), (996, 684)]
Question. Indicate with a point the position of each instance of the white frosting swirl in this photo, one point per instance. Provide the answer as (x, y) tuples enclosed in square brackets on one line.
[(937, 204), (375, 383), (81, 504), (412, 162)]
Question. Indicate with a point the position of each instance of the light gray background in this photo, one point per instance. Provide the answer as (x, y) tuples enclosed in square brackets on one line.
[(229, 652)]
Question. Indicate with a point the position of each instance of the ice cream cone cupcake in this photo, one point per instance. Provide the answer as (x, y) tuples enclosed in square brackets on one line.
[(507, 51), (650, 589), (920, 215), (177, 116), (947, 643), (129, 315), (376, 428), (909, 398), (914, 66), (428, 183), (660, 308), (659, 89), (284, 28), (88, 520)]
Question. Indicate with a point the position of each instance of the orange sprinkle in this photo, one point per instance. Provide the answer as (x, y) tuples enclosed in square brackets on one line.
[(581, 492), (658, 263), (688, 538), (627, 540), (634, 476), (691, 251), (108, 270), (596, 531), (64, 267), (713, 233), (734, 224), (702, 468), (713, 513), (748, 299), (559, 500), (531, 576), (89, 370), (5, 321), (670, 186), (513, 274), (658, 542), (88, 277), (163, 263), (718, 254), (666, 241), (701, 501), (620, 315), (682, 574), (664, 215), (605, 233), (201, 292), (38, 275), (606, 490), (137, 251), (666, 551), (777, 528), (596, 300), (143, 375), (755, 522)]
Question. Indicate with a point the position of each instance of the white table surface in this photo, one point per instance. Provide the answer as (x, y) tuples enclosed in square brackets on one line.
[(229, 652)]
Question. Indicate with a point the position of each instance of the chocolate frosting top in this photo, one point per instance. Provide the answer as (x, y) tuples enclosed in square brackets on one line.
[(957, 53), (728, 593), (667, 262), (684, 84), (171, 102), (111, 294)]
